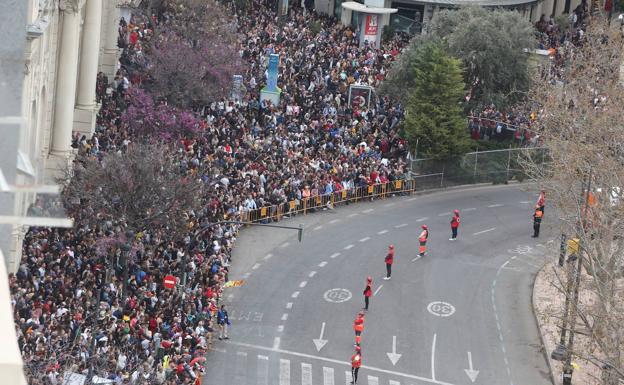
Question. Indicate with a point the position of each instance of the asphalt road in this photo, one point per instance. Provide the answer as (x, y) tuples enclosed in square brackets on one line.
[(465, 305)]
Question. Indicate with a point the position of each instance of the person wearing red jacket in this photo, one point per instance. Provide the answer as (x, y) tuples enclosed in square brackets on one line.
[(368, 291), (358, 327), (422, 240), (389, 260), (356, 363), (454, 225), (541, 200)]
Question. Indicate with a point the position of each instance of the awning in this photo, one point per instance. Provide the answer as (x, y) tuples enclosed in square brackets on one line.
[(353, 6)]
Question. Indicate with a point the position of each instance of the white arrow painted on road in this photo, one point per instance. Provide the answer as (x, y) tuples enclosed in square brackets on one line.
[(472, 374), (320, 342), (394, 356)]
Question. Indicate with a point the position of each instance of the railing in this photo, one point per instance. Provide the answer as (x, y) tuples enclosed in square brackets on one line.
[(313, 203)]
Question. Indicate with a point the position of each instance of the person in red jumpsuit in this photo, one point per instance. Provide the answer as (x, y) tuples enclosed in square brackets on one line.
[(454, 225), (422, 240), (356, 362), (358, 327), (368, 291), (389, 260)]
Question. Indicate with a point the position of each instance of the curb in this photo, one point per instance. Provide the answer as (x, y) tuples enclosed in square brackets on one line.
[(539, 326)]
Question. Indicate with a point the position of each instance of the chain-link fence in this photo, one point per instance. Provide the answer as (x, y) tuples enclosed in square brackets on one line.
[(497, 166)]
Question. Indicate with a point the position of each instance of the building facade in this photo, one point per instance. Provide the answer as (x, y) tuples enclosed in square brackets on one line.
[(67, 43), (413, 15)]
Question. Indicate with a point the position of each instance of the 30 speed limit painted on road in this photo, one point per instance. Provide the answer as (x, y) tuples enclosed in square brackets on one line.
[(441, 309), (337, 295)]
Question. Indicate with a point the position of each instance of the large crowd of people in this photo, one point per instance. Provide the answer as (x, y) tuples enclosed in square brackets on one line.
[(90, 300)]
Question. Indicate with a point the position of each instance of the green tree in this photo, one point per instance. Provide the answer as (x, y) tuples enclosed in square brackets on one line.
[(491, 44), (435, 118)]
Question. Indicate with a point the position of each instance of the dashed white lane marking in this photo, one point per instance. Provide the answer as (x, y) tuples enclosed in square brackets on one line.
[(377, 291), (295, 295), (498, 325), (322, 264), (367, 211), (284, 376), (444, 214), (422, 219), (372, 380), (392, 382), (382, 232), (230, 296), (255, 267), (246, 275), (334, 221), (469, 209), (412, 199), (390, 204), (276, 342), (484, 231), (352, 215), (306, 374), (263, 370), (347, 247), (417, 258), (284, 316), (364, 239), (317, 228), (312, 274), (303, 284), (285, 244), (267, 257), (495, 205), (433, 346), (334, 255), (328, 376), (401, 225), (289, 305), (280, 328), (525, 202)]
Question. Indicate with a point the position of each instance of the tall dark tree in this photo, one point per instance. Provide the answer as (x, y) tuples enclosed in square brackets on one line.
[(143, 187), (435, 121), (195, 55)]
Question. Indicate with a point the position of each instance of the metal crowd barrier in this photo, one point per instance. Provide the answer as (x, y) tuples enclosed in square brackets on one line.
[(312, 203)]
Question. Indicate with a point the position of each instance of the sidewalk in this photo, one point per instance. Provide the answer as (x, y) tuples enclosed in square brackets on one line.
[(548, 303)]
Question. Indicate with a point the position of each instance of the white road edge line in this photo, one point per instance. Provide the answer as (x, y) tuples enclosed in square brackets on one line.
[(382, 232), (344, 363), (377, 291), (484, 231)]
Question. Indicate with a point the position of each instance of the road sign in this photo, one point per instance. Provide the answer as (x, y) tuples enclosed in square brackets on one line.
[(169, 281)]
